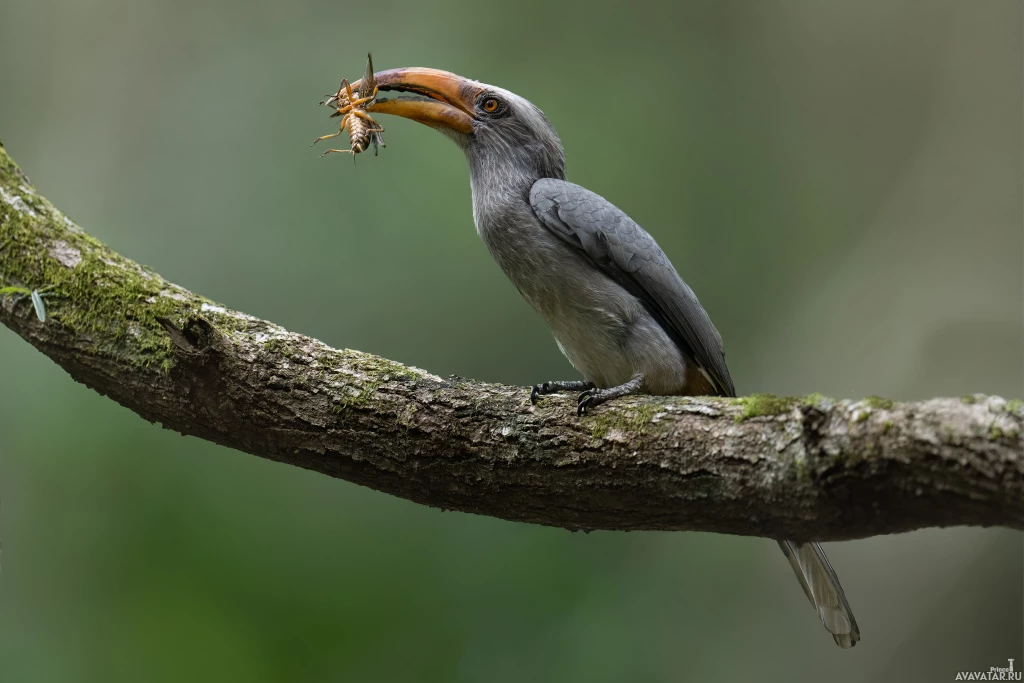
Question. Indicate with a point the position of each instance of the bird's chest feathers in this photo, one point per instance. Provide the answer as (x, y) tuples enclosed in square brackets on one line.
[(532, 258), (555, 278)]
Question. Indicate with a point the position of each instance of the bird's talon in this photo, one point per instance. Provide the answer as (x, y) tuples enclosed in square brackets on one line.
[(542, 389), (584, 401)]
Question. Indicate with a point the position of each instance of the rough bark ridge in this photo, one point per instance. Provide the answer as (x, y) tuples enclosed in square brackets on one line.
[(809, 468)]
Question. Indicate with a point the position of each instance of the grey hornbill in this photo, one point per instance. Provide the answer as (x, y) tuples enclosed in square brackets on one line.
[(617, 308)]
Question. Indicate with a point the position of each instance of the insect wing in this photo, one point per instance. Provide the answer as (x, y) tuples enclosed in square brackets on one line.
[(37, 302), (366, 87)]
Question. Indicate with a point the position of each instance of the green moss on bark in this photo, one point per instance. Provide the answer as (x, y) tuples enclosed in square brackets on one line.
[(879, 403), (764, 405), (93, 291), (632, 420)]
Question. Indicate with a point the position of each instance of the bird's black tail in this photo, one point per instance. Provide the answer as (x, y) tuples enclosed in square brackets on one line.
[(821, 585)]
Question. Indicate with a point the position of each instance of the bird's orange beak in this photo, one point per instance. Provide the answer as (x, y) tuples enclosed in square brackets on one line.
[(450, 103)]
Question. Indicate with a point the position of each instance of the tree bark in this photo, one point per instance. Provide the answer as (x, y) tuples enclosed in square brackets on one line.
[(810, 468)]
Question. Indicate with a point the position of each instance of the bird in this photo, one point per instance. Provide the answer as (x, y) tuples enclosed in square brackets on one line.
[(615, 304)]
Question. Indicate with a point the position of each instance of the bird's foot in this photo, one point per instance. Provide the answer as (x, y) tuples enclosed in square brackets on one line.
[(546, 388), (591, 398)]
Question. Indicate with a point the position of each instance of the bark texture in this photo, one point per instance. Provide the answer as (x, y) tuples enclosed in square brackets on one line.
[(803, 468)]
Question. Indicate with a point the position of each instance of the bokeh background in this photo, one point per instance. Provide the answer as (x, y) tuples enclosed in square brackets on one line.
[(840, 183)]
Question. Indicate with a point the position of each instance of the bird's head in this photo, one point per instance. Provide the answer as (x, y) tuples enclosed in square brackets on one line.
[(496, 128)]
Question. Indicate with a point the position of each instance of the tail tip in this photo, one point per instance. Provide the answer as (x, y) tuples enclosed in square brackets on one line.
[(846, 640)]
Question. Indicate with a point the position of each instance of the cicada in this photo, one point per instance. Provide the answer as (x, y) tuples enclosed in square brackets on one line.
[(351, 106)]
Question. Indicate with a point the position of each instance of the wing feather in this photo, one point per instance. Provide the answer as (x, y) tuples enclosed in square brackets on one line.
[(631, 257)]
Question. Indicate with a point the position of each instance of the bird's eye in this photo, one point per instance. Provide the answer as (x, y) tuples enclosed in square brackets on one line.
[(491, 105)]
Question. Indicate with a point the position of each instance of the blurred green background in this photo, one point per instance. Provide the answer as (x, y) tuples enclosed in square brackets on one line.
[(840, 183)]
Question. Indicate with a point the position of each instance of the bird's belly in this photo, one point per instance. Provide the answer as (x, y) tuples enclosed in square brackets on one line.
[(593, 341), (607, 334), (604, 331)]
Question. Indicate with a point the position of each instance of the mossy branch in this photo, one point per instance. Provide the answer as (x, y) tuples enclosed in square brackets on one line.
[(809, 468)]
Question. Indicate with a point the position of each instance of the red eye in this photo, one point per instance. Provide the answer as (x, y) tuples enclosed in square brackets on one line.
[(491, 105)]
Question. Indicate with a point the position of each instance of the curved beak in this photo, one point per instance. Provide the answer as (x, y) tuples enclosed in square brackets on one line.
[(451, 102)]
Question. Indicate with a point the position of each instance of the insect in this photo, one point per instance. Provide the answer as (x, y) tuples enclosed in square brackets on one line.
[(351, 106), (36, 295)]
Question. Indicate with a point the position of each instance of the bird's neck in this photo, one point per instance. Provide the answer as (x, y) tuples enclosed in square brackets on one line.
[(497, 195), (501, 184)]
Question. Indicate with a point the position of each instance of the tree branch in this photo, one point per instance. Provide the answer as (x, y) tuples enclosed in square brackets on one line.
[(809, 468)]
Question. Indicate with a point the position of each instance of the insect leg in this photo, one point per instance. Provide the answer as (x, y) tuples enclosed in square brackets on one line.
[(334, 135), (348, 90), (364, 100), (325, 137), (342, 110)]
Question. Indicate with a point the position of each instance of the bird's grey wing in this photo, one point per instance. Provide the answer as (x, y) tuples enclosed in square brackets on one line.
[(631, 257), (821, 585)]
